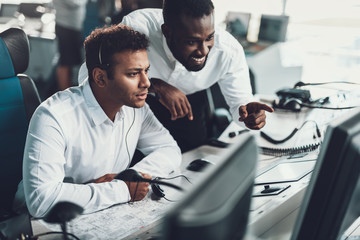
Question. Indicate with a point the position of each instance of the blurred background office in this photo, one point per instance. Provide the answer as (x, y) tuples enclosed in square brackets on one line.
[(322, 41), (285, 41), (307, 41), (69, 18)]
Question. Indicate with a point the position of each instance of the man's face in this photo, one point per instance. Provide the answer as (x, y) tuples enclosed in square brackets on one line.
[(191, 40), (129, 84)]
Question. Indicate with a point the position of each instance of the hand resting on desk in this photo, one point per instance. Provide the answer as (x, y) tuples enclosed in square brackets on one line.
[(137, 190)]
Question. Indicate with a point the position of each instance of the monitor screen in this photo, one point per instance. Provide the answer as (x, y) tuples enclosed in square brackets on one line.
[(8, 10), (237, 23), (217, 207), (331, 201), (273, 28)]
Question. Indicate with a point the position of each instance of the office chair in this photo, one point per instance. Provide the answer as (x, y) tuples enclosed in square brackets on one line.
[(218, 115), (219, 100), (222, 117), (18, 100), (203, 128)]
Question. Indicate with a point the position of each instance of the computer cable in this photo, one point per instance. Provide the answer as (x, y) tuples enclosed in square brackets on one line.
[(169, 199), (136, 187), (233, 133), (61, 213), (131, 175), (274, 141), (301, 84), (126, 144), (36, 237), (159, 192), (301, 103), (169, 178)]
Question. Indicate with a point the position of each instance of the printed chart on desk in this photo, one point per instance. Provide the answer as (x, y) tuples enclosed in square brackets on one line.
[(119, 221)]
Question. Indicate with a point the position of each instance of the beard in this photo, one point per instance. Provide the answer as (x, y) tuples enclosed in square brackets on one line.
[(186, 62)]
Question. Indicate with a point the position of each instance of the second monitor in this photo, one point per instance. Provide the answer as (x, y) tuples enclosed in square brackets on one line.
[(331, 202), (217, 208)]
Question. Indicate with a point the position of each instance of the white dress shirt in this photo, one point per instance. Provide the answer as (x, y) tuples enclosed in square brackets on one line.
[(71, 142), (226, 63)]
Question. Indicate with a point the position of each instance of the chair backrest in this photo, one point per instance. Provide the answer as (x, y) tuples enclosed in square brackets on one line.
[(18, 100), (219, 100)]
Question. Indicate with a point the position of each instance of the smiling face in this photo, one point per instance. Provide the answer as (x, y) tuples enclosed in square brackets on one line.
[(191, 40), (129, 84)]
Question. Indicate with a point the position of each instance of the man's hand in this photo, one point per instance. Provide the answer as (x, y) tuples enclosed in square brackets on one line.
[(253, 114), (138, 190), (173, 99)]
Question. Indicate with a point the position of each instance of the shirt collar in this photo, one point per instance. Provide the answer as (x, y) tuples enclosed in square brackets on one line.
[(96, 112)]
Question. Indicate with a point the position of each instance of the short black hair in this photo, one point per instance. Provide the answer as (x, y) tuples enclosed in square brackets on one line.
[(172, 9), (104, 42)]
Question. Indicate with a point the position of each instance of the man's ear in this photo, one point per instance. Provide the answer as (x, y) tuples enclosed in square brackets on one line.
[(165, 30), (99, 76)]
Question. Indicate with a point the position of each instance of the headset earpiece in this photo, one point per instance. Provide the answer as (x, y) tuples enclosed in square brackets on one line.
[(157, 190)]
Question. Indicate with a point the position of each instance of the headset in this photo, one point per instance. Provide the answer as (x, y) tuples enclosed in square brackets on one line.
[(274, 141), (126, 143), (295, 98), (106, 65), (158, 192)]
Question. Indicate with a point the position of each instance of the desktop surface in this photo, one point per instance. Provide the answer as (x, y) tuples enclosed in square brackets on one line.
[(270, 216)]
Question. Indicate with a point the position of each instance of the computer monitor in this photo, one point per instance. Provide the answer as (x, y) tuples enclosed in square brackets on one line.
[(273, 28), (217, 207), (237, 23), (8, 9), (331, 201)]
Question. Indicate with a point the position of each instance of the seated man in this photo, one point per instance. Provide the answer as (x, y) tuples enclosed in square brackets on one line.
[(81, 138)]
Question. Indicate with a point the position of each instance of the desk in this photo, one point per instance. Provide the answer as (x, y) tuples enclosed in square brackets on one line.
[(271, 217), (138, 215)]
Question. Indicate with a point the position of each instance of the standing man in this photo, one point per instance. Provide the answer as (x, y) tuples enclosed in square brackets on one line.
[(81, 138), (189, 55), (69, 18)]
